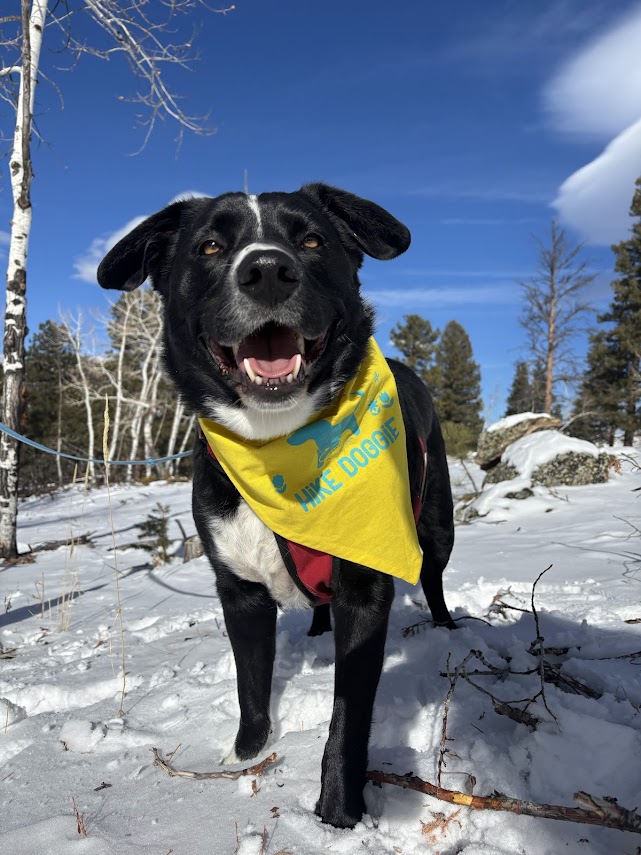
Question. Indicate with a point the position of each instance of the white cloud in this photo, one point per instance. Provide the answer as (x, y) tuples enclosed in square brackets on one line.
[(510, 192), (481, 221), (440, 297), (598, 91), (596, 199), (597, 94), (4, 238), (86, 265), (439, 272)]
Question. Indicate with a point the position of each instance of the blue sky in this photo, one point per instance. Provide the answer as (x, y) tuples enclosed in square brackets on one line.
[(472, 122)]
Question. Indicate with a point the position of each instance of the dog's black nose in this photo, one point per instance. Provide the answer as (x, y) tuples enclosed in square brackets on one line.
[(268, 276)]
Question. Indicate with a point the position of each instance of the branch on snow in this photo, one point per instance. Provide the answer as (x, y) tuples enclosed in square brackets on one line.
[(258, 769), (605, 811)]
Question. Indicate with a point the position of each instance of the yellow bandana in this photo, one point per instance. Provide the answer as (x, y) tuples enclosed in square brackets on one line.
[(339, 484)]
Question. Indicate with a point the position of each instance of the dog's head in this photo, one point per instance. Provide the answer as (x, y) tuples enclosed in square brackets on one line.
[(264, 320)]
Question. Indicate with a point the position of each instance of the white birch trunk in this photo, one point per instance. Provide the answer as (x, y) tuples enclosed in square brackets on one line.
[(15, 316), (188, 434), (75, 339), (148, 417), (170, 466), (147, 332), (119, 386)]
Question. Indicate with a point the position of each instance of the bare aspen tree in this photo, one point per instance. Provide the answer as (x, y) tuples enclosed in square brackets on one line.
[(119, 328), (144, 34), (146, 331), (188, 434), (554, 306), (32, 20), (71, 329), (179, 413)]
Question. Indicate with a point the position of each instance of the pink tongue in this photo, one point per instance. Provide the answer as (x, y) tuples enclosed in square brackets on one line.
[(271, 352)]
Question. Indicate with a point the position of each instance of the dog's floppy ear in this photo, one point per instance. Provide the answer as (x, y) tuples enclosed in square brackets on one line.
[(374, 229), (140, 253)]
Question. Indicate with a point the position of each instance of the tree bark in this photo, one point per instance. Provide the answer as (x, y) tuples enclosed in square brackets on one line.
[(74, 337), (15, 328), (170, 466)]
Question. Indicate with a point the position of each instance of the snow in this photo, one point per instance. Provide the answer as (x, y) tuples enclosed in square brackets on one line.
[(536, 449), (510, 421), (60, 689)]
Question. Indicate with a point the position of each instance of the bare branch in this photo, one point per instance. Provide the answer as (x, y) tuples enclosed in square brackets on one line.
[(258, 769), (605, 812), (552, 312)]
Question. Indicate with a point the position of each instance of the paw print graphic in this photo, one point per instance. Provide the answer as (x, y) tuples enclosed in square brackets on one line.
[(279, 483), (386, 401)]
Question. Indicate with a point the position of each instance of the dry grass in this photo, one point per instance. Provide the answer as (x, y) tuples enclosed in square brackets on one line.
[(80, 820), (105, 452)]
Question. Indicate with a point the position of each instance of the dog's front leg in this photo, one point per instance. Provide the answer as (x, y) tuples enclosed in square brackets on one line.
[(361, 609), (250, 618)]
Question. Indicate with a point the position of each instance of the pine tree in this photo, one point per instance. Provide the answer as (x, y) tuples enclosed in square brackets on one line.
[(595, 412), (624, 337), (155, 532), (537, 388), (416, 340), (51, 415), (520, 397), (460, 393)]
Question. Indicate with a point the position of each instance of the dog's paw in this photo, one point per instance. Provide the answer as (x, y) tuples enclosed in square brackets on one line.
[(332, 812), (231, 758), (250, 741)]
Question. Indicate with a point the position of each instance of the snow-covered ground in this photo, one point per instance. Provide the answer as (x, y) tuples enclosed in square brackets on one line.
[(61, 737)]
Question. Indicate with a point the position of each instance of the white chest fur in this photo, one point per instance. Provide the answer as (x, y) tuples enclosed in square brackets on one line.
[(250, 551)]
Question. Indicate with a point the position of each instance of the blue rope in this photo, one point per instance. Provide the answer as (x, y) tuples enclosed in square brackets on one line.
[(149, 461)]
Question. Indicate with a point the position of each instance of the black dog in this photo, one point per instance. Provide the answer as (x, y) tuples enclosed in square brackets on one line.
[(264, 325)]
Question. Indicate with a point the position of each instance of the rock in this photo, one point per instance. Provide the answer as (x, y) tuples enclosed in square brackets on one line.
[(500, 472), (523, 493), (551, 459), (495, 439), (572, 470), (193, 548)]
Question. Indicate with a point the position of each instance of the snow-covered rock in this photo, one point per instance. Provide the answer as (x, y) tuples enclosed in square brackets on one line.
[(498, 436), (551, 459)]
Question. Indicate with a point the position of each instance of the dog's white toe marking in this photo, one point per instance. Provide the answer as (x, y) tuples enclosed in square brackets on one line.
[(231, 758)]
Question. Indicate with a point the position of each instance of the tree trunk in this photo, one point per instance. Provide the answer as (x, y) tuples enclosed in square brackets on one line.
[(59, 436), (551, 342), (75, 338), (188, 435), (170, 466), (150, 412), (15, 328), (123, 319)]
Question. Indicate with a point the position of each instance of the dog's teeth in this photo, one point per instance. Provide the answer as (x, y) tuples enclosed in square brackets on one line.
[(297, 365), (258, 379), (290, 378), (300, 340), (250, 371), (234, 349)]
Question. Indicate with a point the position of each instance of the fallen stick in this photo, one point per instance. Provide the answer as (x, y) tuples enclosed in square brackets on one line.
[(605, 812), (258, 769)]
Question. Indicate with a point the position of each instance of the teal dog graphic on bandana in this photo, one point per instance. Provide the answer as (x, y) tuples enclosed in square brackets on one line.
[(326, 435)]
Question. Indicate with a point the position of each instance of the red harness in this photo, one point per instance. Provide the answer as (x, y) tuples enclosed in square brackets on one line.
[(312, 571)]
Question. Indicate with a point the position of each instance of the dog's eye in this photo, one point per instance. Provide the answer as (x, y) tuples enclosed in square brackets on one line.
[(311, 242), (210, 247)]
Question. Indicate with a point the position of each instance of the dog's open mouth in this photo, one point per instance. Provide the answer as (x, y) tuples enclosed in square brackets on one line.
[(271, 363)]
